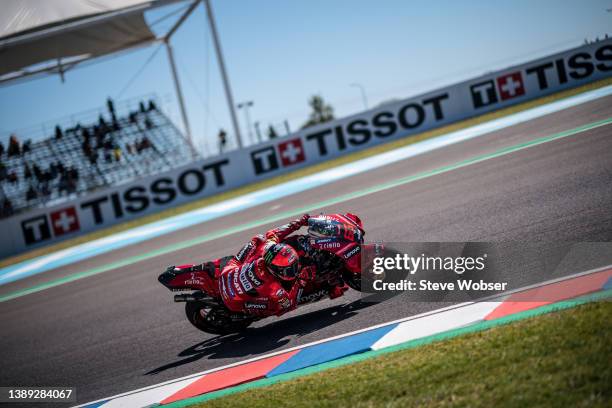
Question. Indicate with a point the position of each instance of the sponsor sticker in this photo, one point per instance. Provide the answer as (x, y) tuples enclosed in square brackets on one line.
[(284, 303), (255, 305), (352, 252)]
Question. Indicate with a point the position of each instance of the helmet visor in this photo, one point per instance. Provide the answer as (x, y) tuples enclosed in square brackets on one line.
[(289, 272)]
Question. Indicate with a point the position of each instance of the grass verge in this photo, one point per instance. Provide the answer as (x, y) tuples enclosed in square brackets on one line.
[(301, 173), (558, 359)]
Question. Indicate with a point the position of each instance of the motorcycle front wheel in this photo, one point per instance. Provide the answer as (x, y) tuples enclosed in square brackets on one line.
[(214, 320), (353, 280)]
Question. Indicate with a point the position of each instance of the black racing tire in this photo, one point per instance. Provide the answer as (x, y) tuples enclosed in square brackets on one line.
[(215, 320)]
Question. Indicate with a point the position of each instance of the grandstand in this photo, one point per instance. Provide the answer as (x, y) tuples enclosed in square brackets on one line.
[(80, 158)]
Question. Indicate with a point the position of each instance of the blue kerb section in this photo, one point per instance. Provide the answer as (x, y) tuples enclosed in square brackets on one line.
[(608, 284), (168, 225), (332, 350)]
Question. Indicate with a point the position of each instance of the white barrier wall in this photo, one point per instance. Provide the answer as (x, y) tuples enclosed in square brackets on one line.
[(203, 178)]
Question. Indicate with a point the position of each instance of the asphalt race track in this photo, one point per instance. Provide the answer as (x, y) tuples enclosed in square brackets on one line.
[(119, 330)]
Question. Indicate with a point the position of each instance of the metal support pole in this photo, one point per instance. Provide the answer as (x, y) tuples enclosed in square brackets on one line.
[(363, 94), (258, 132), (245, 106), (179, 93), (226, 85), (248, 120)]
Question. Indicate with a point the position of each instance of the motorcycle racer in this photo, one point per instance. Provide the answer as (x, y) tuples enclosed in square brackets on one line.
[(273, 273), (265, 277)]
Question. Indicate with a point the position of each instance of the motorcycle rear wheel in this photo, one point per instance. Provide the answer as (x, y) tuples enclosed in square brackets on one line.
[(213, 320)]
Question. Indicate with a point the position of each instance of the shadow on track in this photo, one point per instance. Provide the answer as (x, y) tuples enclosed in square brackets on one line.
[(255, 341)]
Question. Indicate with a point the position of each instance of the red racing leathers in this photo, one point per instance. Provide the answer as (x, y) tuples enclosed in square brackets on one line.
[(246, 285)]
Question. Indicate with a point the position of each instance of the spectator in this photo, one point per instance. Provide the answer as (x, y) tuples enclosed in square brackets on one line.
[(133, 118), (1, 149), (7, 208), (117, 153), (53, 171), (47, 176), (62, 186), (93, 157), (27, 146), (141, 105), (222, 140), (14, 148), (272, 132), (45, 191), (3, 172), (67, 184), (144, 144), (85, 134), (109, 145), (111, 108), (148, 123), (27, 172), (152, 105), (12, 177), (74, 173), (99, 137), (87, 148), (37, 173), (31, 194), (58, 132)]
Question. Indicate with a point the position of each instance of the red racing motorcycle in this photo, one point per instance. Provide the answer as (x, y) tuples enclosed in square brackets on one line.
[(333, 245)]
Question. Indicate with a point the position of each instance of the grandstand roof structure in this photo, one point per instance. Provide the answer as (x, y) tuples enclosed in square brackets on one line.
[(51, 37), (39, 36)]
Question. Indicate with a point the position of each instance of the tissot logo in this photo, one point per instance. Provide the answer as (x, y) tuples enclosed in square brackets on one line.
[(267, 159), (264, 160), (64, 221), (291, 152), (483, 94), (159, 192), (35, 229), (510, 85)]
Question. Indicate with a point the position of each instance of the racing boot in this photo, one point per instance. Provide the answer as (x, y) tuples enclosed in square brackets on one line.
[(338, 291)]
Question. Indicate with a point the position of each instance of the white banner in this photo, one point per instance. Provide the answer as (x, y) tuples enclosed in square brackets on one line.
[(309, 146)]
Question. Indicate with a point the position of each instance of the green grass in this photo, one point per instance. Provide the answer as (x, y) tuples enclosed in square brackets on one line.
[(557, 359), (300, 173)]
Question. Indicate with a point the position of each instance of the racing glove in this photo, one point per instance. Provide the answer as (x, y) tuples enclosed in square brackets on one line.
[(279, 234), (303, 220)]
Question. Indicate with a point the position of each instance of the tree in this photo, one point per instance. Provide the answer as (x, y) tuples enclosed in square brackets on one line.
[(321, 112)]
